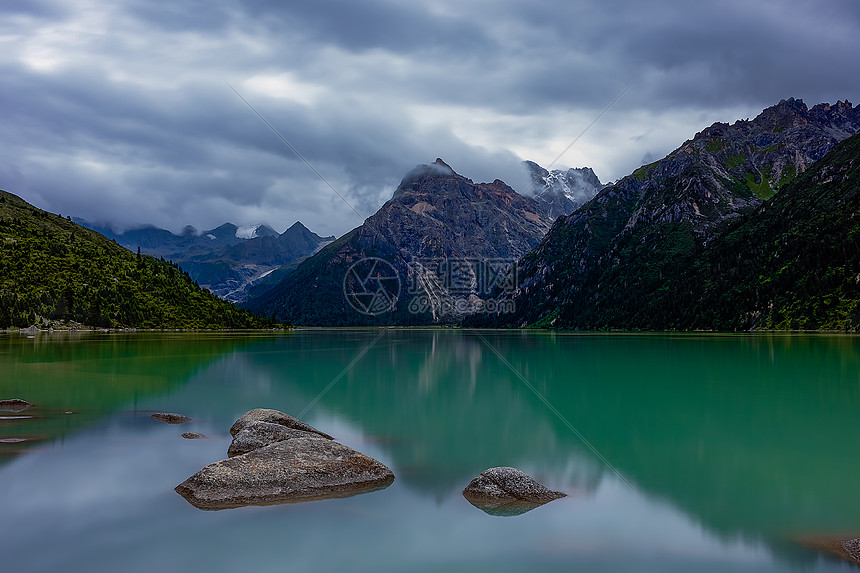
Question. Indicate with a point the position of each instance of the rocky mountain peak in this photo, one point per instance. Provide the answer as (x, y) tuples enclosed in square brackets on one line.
[(442, 164), (561, 192), (664, 209), (413, 178), (791, 113), (447, 240)]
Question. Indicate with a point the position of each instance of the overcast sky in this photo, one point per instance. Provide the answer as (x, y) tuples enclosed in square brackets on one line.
[(119, 111)]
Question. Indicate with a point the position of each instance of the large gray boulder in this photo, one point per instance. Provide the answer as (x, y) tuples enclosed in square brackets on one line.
[(257, 434), (298, 469), (507, 491), (273, 417)]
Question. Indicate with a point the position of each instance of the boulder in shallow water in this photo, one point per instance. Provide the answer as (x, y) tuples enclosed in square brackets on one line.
[(257, 434), (170, 418), (14, 405), (193, 436), (298, 469), (273, 417), (507, 491)]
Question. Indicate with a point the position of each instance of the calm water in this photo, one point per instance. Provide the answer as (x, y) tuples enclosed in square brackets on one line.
[(718, 449)]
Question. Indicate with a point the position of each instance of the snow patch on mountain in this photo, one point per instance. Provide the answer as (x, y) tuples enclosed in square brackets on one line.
[(249, 232), (561, 192)]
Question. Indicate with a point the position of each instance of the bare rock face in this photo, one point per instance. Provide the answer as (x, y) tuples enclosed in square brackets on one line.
[(170, 418), (298, 469), (14, 405), (461, 237), (507, 491), (257, 434), (273, 417)]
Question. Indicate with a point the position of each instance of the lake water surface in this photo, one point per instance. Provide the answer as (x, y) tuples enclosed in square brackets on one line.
[(707, 453)]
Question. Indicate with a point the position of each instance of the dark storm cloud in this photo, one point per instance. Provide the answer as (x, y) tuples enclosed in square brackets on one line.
[(118, 111)]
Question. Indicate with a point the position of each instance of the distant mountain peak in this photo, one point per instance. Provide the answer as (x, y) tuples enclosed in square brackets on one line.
[(442, 164), (445, 238), (296, 226), (436, 169), (562, 192)]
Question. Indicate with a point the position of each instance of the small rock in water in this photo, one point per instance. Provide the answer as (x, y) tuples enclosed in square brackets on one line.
[(507, 491), (257, 434), (170, 418), (273, 417), (193, 436), (14, 405)]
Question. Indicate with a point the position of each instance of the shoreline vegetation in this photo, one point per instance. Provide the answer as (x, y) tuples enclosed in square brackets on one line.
[(32, 330)]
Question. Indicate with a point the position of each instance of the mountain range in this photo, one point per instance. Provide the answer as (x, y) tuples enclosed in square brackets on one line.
[(456, 252), (429, 255), (227, 260), (750, 225), (595, 267)]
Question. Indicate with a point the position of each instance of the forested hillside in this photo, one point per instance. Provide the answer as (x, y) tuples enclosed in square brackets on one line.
[(55, 272), (792, 264)]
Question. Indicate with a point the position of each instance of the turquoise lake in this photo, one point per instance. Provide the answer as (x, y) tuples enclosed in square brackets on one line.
[(677, 452)]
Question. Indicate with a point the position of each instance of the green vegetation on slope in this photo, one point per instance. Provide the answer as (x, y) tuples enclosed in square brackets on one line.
[(53, 269), (793, 263)]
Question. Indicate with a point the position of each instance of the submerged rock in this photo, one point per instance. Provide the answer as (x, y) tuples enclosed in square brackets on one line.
[(273, 417), (298, 469), (845, 548), (170, 418), (257, 434), (507, 491), (14, 405), (193, 436)]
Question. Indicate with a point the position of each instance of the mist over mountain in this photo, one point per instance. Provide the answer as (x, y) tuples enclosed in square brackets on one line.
[(430, 255), (562, 192)]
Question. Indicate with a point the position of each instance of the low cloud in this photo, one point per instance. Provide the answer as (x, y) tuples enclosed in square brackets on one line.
[(120, 112)]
